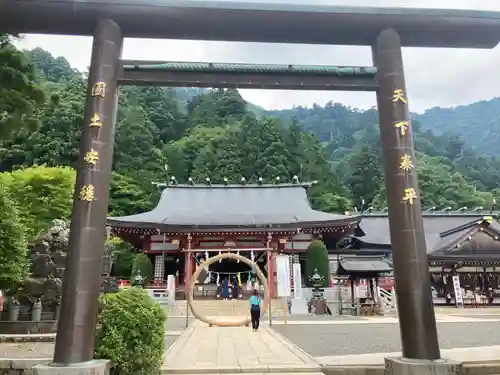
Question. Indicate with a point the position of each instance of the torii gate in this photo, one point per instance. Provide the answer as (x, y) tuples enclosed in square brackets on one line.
[(385, 30)]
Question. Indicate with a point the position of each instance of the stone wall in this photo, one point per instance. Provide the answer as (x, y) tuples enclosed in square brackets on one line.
[(19, 366), (24, 328)]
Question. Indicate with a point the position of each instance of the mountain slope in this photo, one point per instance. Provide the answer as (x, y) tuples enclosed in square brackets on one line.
[(478, 124)]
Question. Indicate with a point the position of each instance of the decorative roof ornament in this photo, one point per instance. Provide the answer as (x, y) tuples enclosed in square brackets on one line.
[(207, 180), (190, 181), (260, 180), (173, 180), (243, 180), (295, 179)]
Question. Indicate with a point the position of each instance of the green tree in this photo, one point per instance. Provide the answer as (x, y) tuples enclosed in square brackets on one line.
[(42, 195), (123, 255), (365, 175), (329, 202), (317, 261), (142, 266), (13, 243), (20, 95), (126, 196)]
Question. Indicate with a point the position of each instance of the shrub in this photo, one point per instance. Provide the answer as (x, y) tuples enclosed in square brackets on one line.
[(131, 332), (317, 258)]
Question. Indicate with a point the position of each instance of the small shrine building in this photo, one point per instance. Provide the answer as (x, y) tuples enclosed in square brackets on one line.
[(463, 244), (258, 221)]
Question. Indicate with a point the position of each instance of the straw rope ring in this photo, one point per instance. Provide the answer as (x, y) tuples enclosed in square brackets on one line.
[(244, 321)]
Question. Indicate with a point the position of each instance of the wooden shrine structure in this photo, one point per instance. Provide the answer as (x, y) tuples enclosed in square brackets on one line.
[(464, 244), (195, 220)]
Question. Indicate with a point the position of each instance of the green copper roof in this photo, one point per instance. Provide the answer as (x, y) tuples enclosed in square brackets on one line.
[(255, 68)]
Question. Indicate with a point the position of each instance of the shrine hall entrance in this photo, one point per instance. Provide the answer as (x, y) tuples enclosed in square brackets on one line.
[(228, 278)]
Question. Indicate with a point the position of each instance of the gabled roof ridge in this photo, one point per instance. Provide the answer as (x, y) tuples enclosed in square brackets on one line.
[(234, 186), (484, 219), (473, 229), (439, 214)]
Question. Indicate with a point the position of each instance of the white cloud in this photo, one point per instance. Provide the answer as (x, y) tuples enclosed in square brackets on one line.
[(435, 77)]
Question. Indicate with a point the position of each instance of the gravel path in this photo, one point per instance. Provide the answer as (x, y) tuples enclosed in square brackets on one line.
[(329, 340)]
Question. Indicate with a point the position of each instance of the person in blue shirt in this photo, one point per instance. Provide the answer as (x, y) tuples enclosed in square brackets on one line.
[(255, 309)]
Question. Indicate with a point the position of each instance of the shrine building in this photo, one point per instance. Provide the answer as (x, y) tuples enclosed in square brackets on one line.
[(258, 221), (459, 243)]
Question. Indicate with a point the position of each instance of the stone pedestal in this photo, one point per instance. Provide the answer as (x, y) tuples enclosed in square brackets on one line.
[(406, 366), (299, 307), (96, 367)]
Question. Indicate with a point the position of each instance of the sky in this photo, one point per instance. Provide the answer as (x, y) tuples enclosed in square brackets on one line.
[(434, 77)]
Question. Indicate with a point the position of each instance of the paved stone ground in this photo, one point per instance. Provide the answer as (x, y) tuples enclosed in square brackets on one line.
[(173, 329), (234, 349), (344, 339)]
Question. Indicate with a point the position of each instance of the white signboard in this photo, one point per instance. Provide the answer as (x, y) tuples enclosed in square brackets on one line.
[(171, 287), (283, 275), (297, 281), (459, 301)]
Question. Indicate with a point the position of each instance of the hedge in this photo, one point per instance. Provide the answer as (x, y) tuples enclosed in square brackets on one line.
[(131, 332)]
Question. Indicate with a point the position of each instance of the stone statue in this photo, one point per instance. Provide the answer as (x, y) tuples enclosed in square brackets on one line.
[(48, 260)]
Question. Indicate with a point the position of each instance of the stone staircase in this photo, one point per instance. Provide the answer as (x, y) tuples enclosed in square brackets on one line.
[(220, 308)]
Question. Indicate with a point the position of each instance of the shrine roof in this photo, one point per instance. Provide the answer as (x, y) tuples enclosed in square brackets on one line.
[(255, 21), (463, 242), (365, 263), (264, 207), (376, 226)]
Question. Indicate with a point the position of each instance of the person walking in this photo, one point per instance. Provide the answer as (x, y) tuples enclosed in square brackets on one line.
[(255, 310)]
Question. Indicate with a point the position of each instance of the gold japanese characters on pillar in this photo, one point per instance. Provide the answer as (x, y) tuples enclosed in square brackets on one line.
[(87, 193), (99, 89), (95, 121), (402, 126), (410, 195), (405, 161), (91, 157), (399, 96)]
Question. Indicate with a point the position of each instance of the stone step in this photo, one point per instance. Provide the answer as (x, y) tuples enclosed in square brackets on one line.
[(255, 370), (220, 308)]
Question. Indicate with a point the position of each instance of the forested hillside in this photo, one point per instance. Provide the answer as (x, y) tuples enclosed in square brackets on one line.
[(165, 133), (477, 123)]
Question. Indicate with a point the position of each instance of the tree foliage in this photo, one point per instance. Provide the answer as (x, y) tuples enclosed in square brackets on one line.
[(13, 242), (123, 255), (317, 261), (19, 94), (42, 194), (215, 134), (141, 265)]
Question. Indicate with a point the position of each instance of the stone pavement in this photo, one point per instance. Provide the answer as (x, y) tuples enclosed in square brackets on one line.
[(440, 318), (204, 349), (481, 354)]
